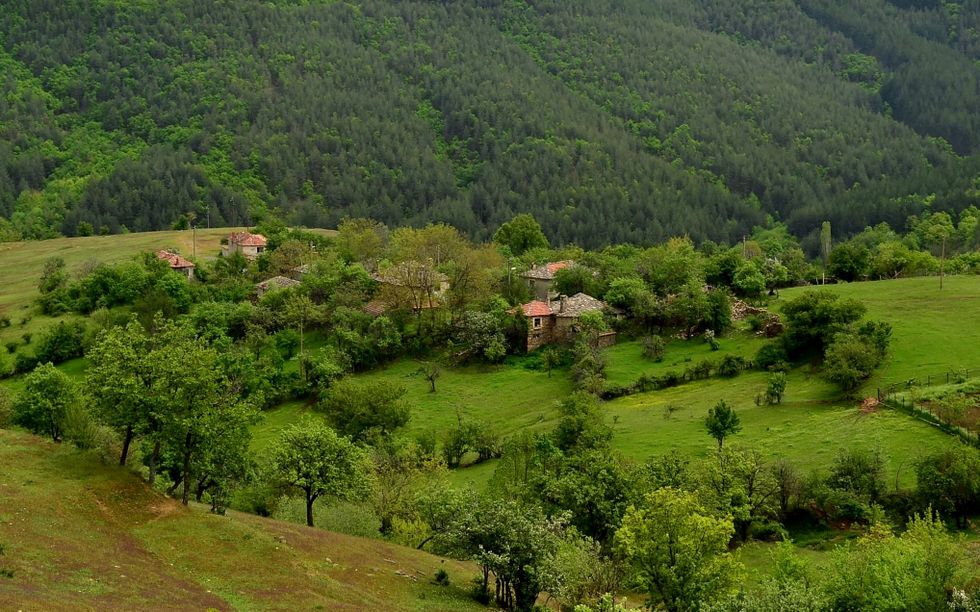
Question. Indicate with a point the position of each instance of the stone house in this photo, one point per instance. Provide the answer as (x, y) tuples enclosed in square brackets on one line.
[(540, 279), (555, 321), (177, 263), (276, 282), (248, 244)]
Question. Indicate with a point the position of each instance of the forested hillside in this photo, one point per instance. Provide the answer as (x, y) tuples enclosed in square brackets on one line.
[(609, 120)]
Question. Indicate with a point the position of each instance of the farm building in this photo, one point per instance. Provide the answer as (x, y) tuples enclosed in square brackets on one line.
[(540, 279), (248, 244), (555, 321), (177, 263)]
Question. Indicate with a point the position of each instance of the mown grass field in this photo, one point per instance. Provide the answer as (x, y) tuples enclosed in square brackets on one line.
[(933, 330), (79, 534)]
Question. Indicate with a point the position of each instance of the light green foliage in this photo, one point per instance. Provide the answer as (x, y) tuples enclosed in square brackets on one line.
[(521, 234), (606, 603), (749, 279), (949, 481), (678, 550), (850, 360), (881, 571), (674, 267), (849, 262), (775, 388), (311, 458), (736, 484), (44, 404), (515, 542), (401, 471), (365, 410), (722, 422)]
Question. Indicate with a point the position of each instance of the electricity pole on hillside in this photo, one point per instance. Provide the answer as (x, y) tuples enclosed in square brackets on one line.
[(942, 264), (194, 240)]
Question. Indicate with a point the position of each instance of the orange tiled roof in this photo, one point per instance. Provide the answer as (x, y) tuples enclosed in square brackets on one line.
[(247, 239), (536, 309), (176, 261)]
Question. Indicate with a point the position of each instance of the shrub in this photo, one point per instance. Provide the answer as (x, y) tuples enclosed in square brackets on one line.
[(755, 323), (11, 346), (700, 371), (654, 348), (62, 342), (24, 363), (4, 321), (442, 577), (671, 379), (775, 388), (768, 531), (6, 408), (770, 355), (731, 365)]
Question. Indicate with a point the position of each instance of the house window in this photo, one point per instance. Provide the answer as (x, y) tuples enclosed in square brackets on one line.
[(537, 322)]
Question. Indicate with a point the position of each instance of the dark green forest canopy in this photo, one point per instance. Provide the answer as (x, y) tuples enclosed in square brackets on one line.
[(608, 120)]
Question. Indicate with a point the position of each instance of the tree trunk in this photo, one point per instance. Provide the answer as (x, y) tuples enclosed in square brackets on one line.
[(185, 496), (153, 462), (309, 509), (387, 525), (127, 439)]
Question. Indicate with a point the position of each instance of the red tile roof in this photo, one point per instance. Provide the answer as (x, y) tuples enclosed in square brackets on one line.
[(536, 309), (247, 239), (558, 265), (176, 261)]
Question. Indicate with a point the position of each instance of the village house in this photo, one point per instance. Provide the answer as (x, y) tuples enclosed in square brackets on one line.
[(276, 282), (248, 244), (177, 263), (555, 321), (540, 279)]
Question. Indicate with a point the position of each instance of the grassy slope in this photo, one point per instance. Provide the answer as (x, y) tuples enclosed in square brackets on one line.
[(82, 535), (933, 330), (809, 428), (930, 336)]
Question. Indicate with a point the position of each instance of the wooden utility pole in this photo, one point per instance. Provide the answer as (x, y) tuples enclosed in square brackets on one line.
[(194, 240), (942, 264)]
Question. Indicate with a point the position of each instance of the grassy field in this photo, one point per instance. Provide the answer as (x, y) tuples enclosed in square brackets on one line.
[(809, 427), (626, 362), (933, 330), (82, 535)]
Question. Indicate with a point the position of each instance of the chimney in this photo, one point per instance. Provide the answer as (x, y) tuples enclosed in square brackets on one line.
[(564, 302)]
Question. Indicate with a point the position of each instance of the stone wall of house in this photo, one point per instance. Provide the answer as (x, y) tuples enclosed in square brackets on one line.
[(536, 338), (564, 330), (540, 289), (607, 339)]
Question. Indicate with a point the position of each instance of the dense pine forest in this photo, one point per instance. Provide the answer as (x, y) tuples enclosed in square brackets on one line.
[(609, 120)]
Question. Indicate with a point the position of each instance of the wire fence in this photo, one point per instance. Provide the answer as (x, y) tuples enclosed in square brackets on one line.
[(946, 377), (903, 396)]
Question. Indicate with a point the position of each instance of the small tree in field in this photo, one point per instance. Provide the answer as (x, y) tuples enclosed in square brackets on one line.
[(312, 458), (722, 422), (44, 404), (549, 359), (776, 388)]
